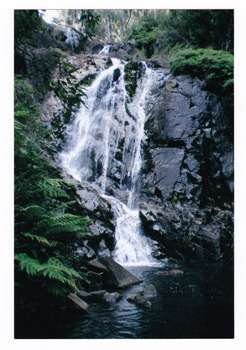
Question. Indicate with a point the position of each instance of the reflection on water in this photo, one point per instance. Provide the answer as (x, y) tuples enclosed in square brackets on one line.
[(197, 304)]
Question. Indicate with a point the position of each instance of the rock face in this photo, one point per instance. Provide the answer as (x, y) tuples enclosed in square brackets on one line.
[(186, 192), (188, 172), (190, 143)]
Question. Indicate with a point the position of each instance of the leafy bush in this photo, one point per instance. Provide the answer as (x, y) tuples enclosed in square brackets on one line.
[(146, 35), (213, 66)]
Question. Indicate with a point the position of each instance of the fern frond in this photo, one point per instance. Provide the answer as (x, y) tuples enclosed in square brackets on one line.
[(66, 205), (18, 125), (53, 269), (34, 211), (63, 223), (40, 239), (53, 188), (28, 264), (67, 270)]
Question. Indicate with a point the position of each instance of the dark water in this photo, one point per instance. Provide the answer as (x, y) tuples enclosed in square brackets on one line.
[(197, 304)]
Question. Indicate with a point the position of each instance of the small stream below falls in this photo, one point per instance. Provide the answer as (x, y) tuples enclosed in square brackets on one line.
[(197, 304)]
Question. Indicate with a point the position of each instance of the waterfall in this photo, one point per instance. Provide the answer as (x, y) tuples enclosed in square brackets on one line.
[(105, 50), (103, 146), (73, 37)]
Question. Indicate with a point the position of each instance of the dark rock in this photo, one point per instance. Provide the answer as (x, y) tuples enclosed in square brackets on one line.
[(112, 297), (96, 295), (168, 162), (103, 250), (190, 143), (96, 48), (116, 275), (149, 292), (95, 280), (140, 301), (157, 62), (170, 273), (95, 264), (123, 50), (81, 304)]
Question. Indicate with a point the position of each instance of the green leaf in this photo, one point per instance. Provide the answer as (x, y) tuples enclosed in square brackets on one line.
[(40, 239)]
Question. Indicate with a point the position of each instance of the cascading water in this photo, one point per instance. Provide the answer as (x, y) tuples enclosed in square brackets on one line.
[(105, 50), (104, 147)]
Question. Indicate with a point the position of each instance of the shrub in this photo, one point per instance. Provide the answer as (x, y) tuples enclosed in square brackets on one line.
[(213, 66)]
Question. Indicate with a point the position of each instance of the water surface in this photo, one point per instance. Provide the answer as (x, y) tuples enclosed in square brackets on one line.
[(197, 304)]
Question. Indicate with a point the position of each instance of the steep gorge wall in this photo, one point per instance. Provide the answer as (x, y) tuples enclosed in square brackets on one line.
[(186, 200), (187, 192)]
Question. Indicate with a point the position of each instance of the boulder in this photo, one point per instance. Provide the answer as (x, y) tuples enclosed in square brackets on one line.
[(116, 275), (95, 280), (140, 301), (149, 292), (97, 266), (170, 273), (81, 304), (112, 297), (96, 295)]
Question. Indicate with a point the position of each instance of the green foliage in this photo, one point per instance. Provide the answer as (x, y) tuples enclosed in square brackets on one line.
[(146, 35), (55, 74), (48, 71), (133, 71), (68, 89), (27, 22), (174, 200), (159, 31), (85, 21), (53, 269), (213, 66), (48, 217)]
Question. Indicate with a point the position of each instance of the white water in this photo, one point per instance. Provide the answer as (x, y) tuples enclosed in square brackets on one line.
[(105, 50), (92, 145), (132, 247)]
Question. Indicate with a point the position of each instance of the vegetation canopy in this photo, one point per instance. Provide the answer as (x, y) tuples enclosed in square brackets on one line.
[(213, 66)]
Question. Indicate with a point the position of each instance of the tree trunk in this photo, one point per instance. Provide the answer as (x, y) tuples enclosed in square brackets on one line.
[(121, 30), (109, 29)]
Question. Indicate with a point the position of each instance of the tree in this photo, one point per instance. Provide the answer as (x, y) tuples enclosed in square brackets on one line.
[(85, 21), (158, 30)]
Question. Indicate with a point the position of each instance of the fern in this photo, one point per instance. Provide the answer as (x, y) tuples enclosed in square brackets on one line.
[(53, 188), (18, 125), (40, 239), (28, 264), (63, 223), (53, 269), (34, 211)]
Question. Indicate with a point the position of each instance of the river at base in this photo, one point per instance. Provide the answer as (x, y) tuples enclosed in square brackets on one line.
[(197, 304)]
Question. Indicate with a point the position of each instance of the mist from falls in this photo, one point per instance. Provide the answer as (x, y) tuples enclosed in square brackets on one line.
[(103, 147)]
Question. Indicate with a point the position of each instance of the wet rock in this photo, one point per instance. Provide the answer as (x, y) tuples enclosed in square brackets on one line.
[(140, 301), (95, 280), (112, 297), (189, 145), (86, 251), (123, 50), (81, 304), (170, 273), (96, 295), (149, 292), (168, 163), (103, 250), (116, 275), (97, 266)]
